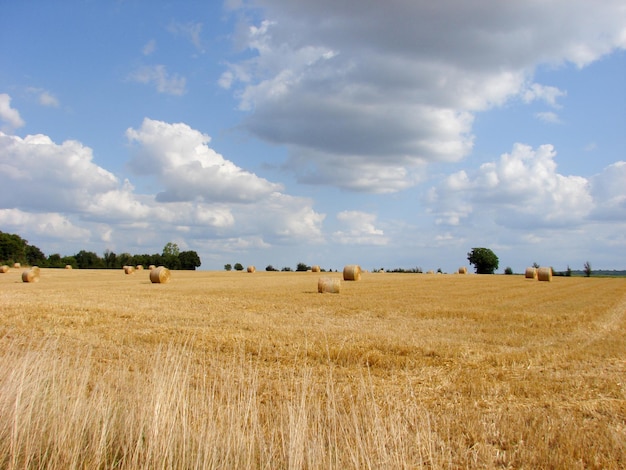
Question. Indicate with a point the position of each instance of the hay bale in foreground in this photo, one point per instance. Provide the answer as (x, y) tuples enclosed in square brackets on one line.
[(544, 274), (251, 269), (30, 275), (315, 269), (129, 270), (463, 270), (531, 273), (352, 272), (4, 269), (329, 285), (159, 275)]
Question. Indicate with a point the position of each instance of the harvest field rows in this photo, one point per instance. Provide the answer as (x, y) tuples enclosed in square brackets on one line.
[(99, 369)]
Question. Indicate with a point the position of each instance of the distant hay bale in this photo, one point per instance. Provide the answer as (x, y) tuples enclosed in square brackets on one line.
[(68, 266), (129, 270), (329, 285), (151, 267), (17, 265), (463, 270), (430, 272), (140, 267), (251, 269), (544, 274), (531, 273), (30, 275), (159, 275), (315, 269), (352, 272), (4, 269)]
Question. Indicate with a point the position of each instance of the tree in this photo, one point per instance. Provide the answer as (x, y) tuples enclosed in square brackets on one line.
[(228, 267), (87, 260), (171, 249), (302, 267), (189, 260), (587, 268), (484, 260), (238, 267), (508, 270)]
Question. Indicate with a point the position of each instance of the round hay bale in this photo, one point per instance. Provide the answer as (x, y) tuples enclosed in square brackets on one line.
[(30, 275), (151, 267), (463, 270), (329, 285), (129, 270), (17, 265), (139, 267), (315, 269), (251, 269), (4, 269), (159, 275), (430, 272), (531, 273), (352, 272), (68, 266), (544, 274)]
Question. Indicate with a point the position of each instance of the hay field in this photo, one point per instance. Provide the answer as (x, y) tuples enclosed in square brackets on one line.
[(99, 369)]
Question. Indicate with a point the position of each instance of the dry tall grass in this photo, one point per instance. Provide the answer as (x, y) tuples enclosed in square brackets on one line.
[(224, 370)]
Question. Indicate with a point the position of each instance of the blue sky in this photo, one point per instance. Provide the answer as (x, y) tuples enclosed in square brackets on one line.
[(387, 134)]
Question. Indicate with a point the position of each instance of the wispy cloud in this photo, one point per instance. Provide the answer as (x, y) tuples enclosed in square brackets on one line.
[(160, 78), (190, 31)]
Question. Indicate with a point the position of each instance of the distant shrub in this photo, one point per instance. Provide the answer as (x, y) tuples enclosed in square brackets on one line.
[(508, 270)]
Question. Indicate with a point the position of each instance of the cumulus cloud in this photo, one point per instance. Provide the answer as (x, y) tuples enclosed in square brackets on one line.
[(189, 169), (160, 78), (358, 228), (395, 85), (45, 224), (41, 175), (521, 189), (9, 116)]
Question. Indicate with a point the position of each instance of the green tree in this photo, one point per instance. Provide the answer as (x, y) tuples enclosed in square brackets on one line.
[(189, 260), (228, 267), (88, 260), (110, 259), (587, 269), (34, 256), (508, 270), (171, 249), (302, 267), (238, 267), (484, 260)]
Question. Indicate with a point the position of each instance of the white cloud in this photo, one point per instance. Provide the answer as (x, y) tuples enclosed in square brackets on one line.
[(189, 169), (395, 85), (521, 189), (549, 117), (159, 76), (548, 94), (41, 175), (10, 116), (45, 224), (358, 228)]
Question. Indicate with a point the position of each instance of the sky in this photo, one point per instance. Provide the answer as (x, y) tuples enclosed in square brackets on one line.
[(396, 134)]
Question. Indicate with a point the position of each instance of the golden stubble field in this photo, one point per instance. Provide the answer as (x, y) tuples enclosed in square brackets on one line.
[(99, 369)]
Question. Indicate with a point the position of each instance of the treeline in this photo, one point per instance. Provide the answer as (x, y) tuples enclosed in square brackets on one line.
[(14, 249)]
